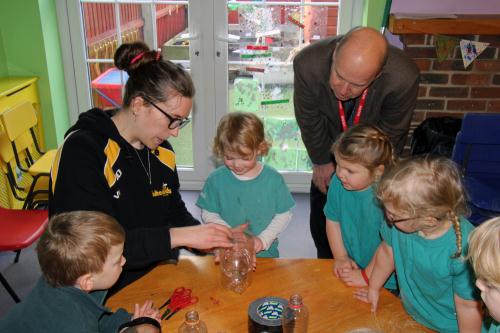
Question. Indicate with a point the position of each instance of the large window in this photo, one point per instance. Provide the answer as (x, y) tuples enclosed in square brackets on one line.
[(107, 25), (239, 54), (264, 39)]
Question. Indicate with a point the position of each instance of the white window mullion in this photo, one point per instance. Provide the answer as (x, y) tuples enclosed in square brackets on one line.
[(118, 23), (221, 58), (201, 53), (74, 57)]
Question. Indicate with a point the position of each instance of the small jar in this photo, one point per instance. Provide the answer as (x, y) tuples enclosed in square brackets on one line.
[(193, 324)]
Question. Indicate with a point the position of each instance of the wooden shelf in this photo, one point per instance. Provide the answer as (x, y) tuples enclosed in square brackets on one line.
[(462, 25)]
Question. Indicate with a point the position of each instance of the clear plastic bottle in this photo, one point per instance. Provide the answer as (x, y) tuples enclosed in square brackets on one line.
[(295, 316), (193, 324), (236, 264)]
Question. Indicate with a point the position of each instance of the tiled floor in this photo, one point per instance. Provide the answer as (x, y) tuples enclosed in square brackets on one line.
[(295, 242)]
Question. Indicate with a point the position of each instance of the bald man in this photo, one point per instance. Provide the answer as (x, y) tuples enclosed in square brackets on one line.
[(341, 81)]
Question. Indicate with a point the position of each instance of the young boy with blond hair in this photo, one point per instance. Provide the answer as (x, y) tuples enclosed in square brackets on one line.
[(80, 255), (484, 254)]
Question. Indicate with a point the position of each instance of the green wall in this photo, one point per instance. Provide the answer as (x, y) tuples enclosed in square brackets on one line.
[(373, 13), (3, 60), (29, 46)]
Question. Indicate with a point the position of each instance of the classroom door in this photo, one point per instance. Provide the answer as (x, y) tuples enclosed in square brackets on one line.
[(256, 42)]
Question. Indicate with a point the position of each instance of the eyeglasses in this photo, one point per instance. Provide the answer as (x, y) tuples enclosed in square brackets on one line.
[(404, 220), (390, 218), (412, 218), (174, 122)]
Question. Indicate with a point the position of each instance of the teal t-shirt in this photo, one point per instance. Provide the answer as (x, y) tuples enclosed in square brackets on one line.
[(256, 200), (428, 277), (360, 216), (492, 326)]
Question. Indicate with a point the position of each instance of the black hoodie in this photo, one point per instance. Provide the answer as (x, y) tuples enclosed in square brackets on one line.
[(96, 169)]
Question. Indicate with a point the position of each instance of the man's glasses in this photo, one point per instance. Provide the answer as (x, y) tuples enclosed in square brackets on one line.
[(174, 122)]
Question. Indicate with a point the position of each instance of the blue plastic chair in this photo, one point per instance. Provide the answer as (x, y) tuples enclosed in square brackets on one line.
[(477, 152)]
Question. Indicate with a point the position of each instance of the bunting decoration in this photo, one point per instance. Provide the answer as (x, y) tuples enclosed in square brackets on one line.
[(471, 50), (444, 47)]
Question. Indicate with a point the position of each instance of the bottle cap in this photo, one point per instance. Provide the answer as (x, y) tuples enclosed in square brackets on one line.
[(192, 317), (295, 301)]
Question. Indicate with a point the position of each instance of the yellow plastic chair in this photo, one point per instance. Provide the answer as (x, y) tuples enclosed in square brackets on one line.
[(17, 182), (19, 123)]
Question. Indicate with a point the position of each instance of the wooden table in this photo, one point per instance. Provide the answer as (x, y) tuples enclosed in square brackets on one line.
[(332, 307)]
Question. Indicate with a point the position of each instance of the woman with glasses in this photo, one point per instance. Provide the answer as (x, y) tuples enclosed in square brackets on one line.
[(121, 163)]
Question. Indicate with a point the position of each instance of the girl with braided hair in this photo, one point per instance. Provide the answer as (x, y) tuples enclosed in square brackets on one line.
[(354, 217), (426, 244)]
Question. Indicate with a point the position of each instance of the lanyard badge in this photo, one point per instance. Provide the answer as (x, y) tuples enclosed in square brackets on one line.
[(358, 111)]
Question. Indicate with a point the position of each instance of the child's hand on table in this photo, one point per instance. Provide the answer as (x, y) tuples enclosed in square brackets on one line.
[(368, 295), (343, 264), (352, 277)]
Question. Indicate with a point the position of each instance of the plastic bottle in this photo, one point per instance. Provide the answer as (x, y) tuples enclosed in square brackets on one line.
[(236, 264), (295, 316), (193, 324)]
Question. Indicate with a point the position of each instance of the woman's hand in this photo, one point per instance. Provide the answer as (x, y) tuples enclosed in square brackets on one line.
[(239, 235), (202, 237)]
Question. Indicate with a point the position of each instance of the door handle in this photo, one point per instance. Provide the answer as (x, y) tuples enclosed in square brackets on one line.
[(188, 36), (228, 39)]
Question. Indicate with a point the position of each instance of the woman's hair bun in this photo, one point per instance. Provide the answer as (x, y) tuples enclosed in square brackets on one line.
[(130, 56)]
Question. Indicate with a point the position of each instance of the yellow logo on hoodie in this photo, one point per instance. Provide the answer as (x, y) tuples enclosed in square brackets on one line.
[(164, 192), (166, 156), (112, 151)]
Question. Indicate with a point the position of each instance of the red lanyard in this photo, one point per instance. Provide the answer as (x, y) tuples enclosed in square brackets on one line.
[(358, 111)]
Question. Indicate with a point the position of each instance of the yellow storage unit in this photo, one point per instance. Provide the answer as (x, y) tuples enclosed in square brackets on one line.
[(15, 91)]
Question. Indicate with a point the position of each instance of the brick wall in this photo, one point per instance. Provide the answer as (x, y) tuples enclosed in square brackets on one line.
[(446, 88)]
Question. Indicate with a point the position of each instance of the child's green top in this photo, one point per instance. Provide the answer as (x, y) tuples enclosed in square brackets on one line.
[(492, 326), (257, 200), (360, 217), (429, 278)]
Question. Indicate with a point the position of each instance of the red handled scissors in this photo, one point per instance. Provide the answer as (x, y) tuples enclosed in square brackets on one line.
[(180, 299)]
